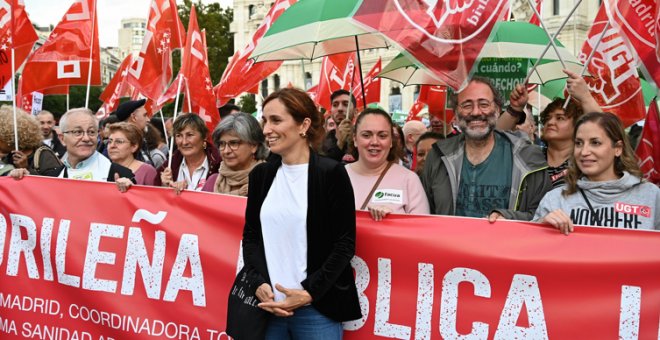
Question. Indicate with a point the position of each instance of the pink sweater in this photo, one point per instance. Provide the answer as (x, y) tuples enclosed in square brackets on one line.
[(400, 190)]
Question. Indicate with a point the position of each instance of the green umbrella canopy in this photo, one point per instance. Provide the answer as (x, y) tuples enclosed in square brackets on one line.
[(310, 29), (509, 42), (555, 89)]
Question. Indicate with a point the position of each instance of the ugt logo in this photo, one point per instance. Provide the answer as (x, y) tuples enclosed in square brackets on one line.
[(449, 21)]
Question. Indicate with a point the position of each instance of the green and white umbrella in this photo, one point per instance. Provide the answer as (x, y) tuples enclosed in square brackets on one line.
[(404, 70), (311, 29)]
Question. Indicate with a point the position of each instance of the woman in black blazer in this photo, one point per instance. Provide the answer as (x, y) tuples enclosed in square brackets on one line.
[(299, 235)]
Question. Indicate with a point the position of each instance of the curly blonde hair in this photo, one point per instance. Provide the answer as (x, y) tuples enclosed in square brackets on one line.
[(29, 136)]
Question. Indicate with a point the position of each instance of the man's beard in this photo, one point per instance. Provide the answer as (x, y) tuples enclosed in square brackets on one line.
[(477, 134)]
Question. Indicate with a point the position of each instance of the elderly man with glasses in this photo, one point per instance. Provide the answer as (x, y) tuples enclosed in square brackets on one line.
[(484, 172)]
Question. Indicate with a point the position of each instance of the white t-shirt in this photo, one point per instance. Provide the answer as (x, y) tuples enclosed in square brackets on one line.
[(94, 168), (284, 228)]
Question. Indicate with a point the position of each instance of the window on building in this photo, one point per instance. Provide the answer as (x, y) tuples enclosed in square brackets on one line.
[(251, 10), (308, 80), (264, 88), (276, 82), (555, 7), (395, 90)]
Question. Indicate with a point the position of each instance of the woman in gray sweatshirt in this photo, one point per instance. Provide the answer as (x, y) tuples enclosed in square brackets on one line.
[(604, 186)]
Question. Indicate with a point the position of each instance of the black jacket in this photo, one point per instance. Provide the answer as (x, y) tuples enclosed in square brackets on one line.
[(58, 147), (330, 235)]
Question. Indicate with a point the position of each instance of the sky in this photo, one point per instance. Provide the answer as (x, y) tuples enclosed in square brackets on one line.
[(110, 12)]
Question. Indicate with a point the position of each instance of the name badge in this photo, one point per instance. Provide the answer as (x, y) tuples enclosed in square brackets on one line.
[(387, 196), (80, 174)]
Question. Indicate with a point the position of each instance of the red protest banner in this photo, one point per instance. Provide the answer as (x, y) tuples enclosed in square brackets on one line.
[(150, 264)]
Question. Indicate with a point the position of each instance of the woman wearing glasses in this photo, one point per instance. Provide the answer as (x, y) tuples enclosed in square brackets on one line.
[(194, 161), (242, 146), (124, 141)]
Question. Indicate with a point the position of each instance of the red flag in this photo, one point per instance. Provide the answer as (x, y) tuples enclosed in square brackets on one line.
[(534, 20), (371, 86), (444, 36), (65, 56), (648, 149), (636, 20), (337, 72), (312, 92), (436, 99), (17, 33), (242, 74), (151, 71), (117, 88), (195, 72), (615, 84), (413, 114)]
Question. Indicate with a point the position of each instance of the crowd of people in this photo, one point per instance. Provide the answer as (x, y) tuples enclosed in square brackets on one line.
[(305, 175)]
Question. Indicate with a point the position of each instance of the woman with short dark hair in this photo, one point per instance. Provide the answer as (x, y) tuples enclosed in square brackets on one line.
[(195, 159)]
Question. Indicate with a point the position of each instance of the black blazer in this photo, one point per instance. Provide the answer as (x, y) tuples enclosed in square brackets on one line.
[(330, 235)]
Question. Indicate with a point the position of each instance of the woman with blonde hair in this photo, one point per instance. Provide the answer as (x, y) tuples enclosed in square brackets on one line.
[(604, 186)]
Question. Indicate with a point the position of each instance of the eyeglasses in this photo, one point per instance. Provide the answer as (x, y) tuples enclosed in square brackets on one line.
[(468, 106), (80, 133), (232, 144), (115, 141)]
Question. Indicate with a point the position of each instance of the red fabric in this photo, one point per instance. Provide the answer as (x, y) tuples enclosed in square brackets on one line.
[(637, 22), (444, 36), (64, 57), (151, 71), (648, 149), (196, 75), (337, 72), (371, 86), (243, 74), (436, 99), (615, 84), (415, 110), (117, 88), (534, 20), (17, 33), (424, 277)]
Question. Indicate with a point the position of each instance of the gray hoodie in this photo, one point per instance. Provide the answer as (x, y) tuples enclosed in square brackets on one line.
[(623, 203)]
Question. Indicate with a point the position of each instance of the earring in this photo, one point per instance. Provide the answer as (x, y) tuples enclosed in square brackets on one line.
[(204, 145), (303, 134)]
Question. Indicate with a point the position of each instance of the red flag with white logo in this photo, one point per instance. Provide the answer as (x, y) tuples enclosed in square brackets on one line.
[(65, 56), (17, 33), (243, 74), (371, 86), (337, 72), (615, 83), (535, 20), (636, 21), (444, 36), (195, 72), (151, 70), (648, 149), (415, 110), (117, 88)]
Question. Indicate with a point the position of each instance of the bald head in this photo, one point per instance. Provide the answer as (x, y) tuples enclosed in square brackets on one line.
[(411, 131)]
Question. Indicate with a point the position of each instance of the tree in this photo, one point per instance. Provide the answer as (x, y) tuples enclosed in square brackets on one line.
[(219, 40), (248, 104)]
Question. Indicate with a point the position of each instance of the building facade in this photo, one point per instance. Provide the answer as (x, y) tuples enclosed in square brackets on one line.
[(248, 15), (131, 35)]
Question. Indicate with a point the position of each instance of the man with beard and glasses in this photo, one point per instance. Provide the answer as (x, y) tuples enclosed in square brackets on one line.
[(484, 172)]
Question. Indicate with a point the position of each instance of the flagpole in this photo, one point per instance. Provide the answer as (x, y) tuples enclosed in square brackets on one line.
[(547, 47), (67, 100), (13, 97), (586, 63), (176, 109), (91, 51), (162, 120), (551, 37), (357, 51)]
